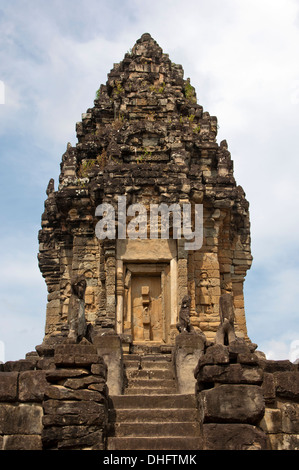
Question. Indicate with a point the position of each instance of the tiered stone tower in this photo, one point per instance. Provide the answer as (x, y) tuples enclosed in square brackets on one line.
[(147, 139), (145, 345)]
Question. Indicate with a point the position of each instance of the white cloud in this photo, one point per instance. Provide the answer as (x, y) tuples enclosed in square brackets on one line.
[(285, 348)]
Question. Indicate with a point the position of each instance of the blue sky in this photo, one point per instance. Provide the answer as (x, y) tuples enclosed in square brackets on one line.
[(242, 58)]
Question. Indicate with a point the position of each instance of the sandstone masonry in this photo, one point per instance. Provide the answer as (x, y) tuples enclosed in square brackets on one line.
[(147, 139), (247, 402), (140, 349), (54, 401)]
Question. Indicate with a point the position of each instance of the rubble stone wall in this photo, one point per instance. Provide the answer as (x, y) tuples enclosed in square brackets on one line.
[(54, 402), (281, 392), (247, 402), (60, 401), (21, 406)]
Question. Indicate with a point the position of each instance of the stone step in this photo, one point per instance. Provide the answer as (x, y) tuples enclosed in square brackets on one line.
[(159, 356), (152, 369), (174, 429), (131, 357), (150, 374), (157, 366), (165, 401), (152, 383), (154, 357), (142, 349), (154, 443), (132, 365), (162, 365), (142, 391), (148, 365), (149, 415)]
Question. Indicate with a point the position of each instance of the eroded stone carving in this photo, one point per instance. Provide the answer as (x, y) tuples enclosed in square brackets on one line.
[(184, 324), (226, 331), (76, 312), (50, 187)]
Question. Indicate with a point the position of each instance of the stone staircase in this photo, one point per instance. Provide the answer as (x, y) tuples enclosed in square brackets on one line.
[(151, 415)]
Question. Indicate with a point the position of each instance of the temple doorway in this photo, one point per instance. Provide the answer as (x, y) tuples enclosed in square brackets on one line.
[(146, 311), (147, 302), (146, 290)]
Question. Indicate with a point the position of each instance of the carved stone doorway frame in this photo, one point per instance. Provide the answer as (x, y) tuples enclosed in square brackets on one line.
[(140, 272), (147, 257)]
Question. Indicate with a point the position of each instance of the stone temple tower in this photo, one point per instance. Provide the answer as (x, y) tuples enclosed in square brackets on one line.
[(146, 143), (144, 248)]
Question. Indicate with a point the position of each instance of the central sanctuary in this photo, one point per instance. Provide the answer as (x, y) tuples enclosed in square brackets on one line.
[(147, 143)]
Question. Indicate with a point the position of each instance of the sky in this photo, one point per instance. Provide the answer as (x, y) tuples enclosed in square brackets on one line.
[(242, 59)]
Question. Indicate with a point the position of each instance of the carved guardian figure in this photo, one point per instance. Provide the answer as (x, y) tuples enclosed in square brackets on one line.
[(184, 324), (226, 331), (76, 311)]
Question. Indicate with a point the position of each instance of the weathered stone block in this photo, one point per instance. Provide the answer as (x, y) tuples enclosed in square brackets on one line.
[(99, 369), (20, 419), (268, 387), (17, 366), (22, 442), (248, 358), (238, 346), (8, 386), (287, 384), (110, 350), (189, 348), (290, 416), (83, 382), (216, 354), (75, 349), (272, 421), (72, 407), (277, 366), (232, 404), (58, 392), (54, 375), (32, 385), (45, 363), (71, 437), (89, 419), (100, 387), (233, 437), (230, 374), (284, 441), (75, 355)]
